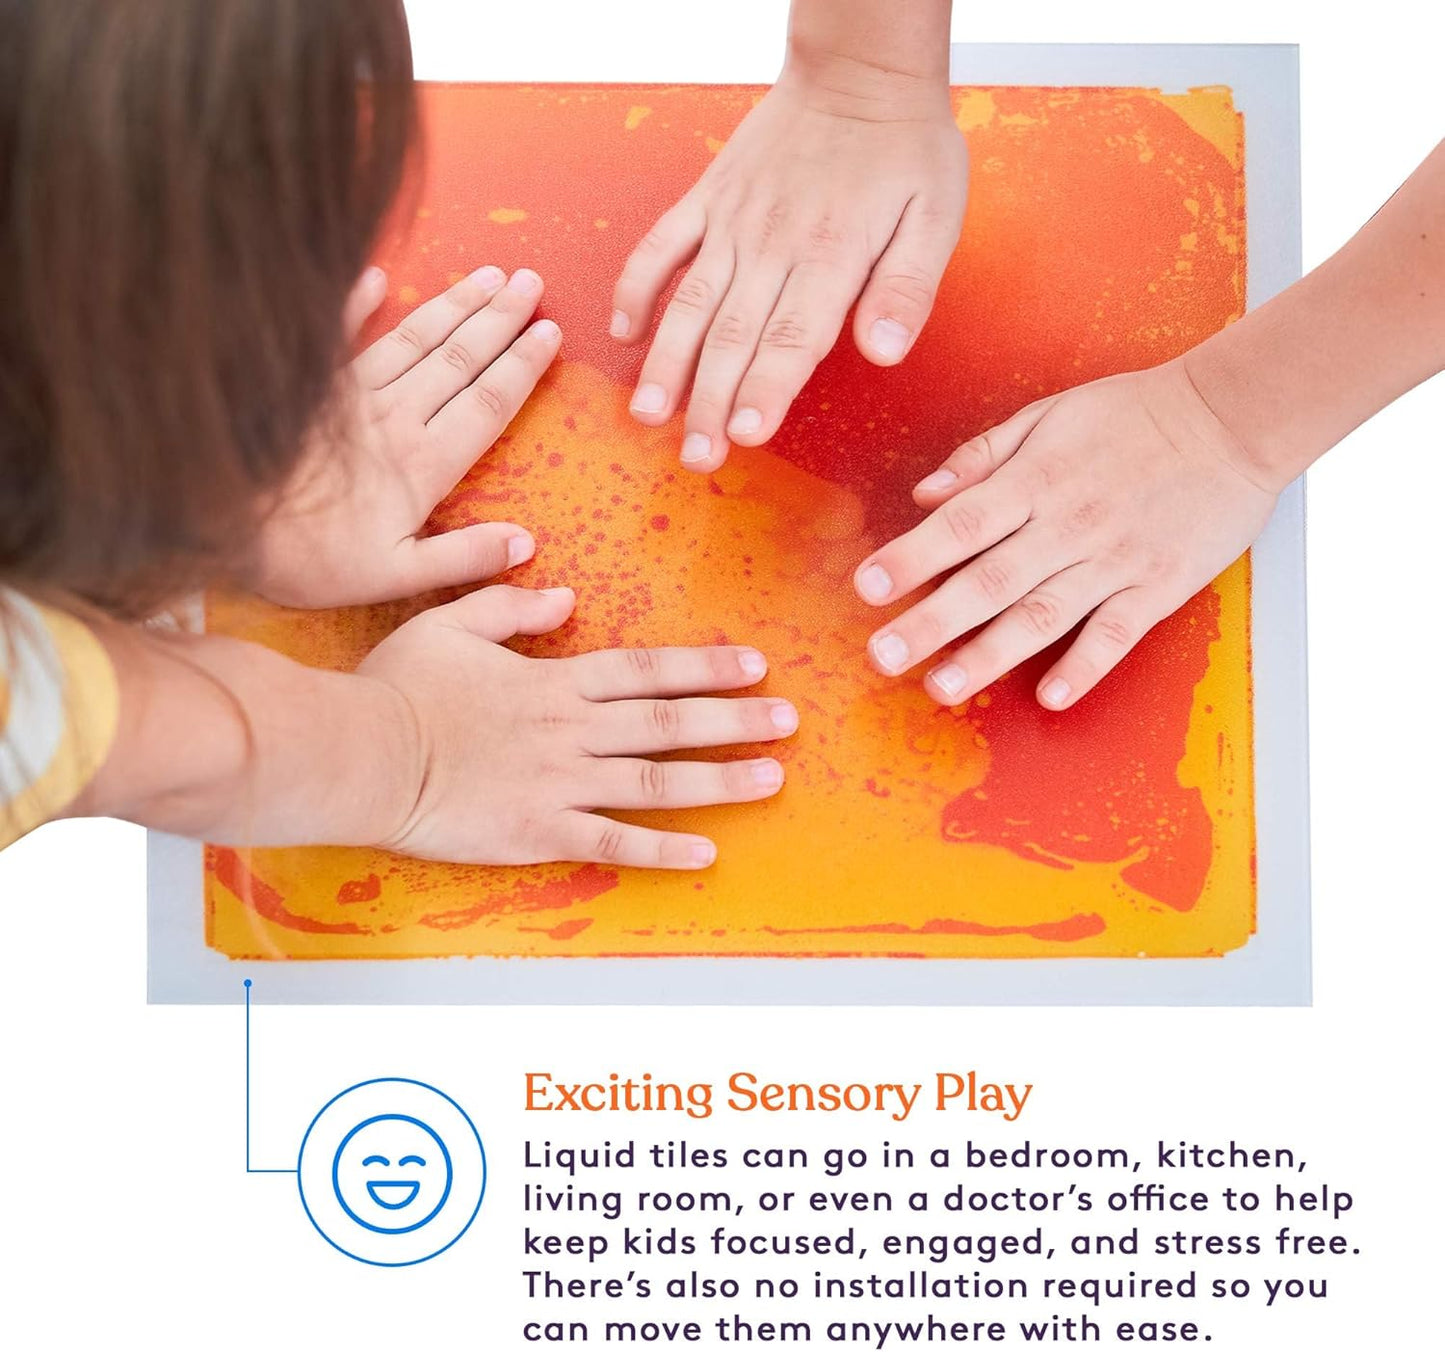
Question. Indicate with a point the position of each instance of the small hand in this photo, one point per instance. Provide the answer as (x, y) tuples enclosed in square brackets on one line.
[(814, 200), (1112, 504), (518, 754), (413, 413)]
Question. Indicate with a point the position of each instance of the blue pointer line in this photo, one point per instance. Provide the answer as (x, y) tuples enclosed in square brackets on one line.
[(249, 1169)]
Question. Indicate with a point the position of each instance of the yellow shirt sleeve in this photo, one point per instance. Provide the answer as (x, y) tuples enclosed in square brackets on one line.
[(59, 703)]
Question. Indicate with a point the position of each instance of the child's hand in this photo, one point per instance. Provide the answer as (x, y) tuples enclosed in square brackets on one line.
[(423, 403), (818, 196), (1116, 501), (517, 754)]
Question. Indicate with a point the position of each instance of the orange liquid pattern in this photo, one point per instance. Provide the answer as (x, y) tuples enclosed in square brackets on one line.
[(1105, 233)]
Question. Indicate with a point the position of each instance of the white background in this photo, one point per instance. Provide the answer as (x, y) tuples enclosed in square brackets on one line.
[(124, 1202)]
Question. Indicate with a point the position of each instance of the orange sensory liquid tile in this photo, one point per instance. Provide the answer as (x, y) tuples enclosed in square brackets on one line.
[(1105, 232)]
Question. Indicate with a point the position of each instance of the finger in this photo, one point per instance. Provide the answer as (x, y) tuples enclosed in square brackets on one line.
[(801, 331), (963, 527), (471, 421), (362, 303), (471, 347), (639, 673), (674, 352), (591, 839), (731, 341), (980, 456), (500, 613), (1028, 626), (425, 327), (644, 727), (647, 784), (972, 596), (1107, 637), (899, 296), (457, 557), (670, 244)]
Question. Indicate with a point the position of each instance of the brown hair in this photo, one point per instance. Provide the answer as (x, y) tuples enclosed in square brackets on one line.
[(188, 191)]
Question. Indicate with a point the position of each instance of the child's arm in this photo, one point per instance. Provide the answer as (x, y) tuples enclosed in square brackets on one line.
[(1118, 500), (849, 177), (1297, 375), (443, 744)]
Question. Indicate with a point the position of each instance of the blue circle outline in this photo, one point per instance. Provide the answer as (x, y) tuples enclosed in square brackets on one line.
[(420, 1084), (336, 1166)]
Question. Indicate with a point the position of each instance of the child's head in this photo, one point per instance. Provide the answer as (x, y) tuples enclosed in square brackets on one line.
[(188, 190)]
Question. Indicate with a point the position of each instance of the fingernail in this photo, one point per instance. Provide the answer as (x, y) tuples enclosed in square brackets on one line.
[(890, 652), (373, 276), (558, 591), (649, 399), (753, 663), (520, 548), (784, 717), (525, 282), (696, 447), (745, 422), (1055, 693), (621, 325), (937, 481), (547, 330), (888, 338), (767, 774), (701, 853), (874, 584), (950, 679), (489, 275)]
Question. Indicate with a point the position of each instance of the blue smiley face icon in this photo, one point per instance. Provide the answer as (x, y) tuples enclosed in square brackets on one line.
[(392, 1174)]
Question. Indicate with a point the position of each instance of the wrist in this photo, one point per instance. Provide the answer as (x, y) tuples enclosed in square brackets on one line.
[(878, 86), (402, 761), (1237, 390)]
